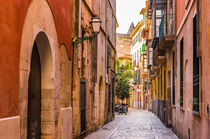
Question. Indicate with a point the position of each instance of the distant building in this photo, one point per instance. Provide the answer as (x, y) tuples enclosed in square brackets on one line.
[(137, 50), (123, 48), (94, 66), (124, 55)]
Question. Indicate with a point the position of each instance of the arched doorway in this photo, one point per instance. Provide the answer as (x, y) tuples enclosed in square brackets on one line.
[(34, 96), (41, 89), (40, 28)]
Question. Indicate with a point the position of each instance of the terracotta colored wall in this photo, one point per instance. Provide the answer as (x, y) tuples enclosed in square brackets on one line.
[(184, 119), (12, 14), (181, 4)]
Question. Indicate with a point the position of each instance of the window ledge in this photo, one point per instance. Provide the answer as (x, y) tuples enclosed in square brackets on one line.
[(196, 113), (182, 109)]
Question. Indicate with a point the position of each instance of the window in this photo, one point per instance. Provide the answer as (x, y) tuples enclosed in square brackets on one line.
[(113, 82), (109, 99), (171, 6), (155, 89), (161, 79), (173, 82), (160, 11), (137, 56), (138, 77), (160, 1), (181, 73), (113, 28), (164, 85), (195, 68), (140, 54)]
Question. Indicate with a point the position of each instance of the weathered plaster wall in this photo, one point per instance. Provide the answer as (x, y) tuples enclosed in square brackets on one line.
[(10, 128), (185, 120), (12, 28), (100, 94)]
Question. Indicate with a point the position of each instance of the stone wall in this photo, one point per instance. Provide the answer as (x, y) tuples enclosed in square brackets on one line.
[(10, 128)]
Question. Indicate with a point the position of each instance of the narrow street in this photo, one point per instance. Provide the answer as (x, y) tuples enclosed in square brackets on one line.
[(138, 124)]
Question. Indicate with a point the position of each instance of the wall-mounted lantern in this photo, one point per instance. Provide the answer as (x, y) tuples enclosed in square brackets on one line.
[(95, 23)]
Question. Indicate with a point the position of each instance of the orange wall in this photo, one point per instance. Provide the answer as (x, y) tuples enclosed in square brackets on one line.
[(12, 14), (181, 4)]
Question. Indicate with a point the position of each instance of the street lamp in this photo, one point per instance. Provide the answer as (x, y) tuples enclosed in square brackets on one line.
[(95, 23)]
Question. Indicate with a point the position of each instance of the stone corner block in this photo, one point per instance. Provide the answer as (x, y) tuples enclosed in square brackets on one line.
[(10, 128)]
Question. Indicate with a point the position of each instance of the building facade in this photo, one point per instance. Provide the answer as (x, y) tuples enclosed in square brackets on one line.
[(160, 70), (180, 69), (124, 57), (191, 103), (35, 98), (137, 50), (147, 58), (94, 66), (50, 86)]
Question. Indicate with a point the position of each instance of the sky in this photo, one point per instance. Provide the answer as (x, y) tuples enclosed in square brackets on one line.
[(128, 11)]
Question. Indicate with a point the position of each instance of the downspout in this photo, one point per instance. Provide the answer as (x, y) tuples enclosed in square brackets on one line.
[(79, 35), (199, 53), (106, 28), (175, 50)]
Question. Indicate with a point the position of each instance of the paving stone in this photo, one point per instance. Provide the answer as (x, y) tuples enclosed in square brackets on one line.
[(138, 124)]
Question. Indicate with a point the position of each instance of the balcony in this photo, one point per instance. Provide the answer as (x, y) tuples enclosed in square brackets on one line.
[(155, 69), (166, 31), (149, 9), (161, 59)]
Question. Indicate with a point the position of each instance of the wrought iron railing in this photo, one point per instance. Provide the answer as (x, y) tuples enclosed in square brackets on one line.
[(166, 26)]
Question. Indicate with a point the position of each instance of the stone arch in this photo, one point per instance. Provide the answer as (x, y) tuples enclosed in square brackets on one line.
[(39, 27), (101, 101)]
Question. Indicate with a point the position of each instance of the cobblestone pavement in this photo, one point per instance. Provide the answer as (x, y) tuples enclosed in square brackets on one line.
[(138, 124)]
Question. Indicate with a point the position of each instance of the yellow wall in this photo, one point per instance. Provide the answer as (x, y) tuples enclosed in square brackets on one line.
[(157, 91)]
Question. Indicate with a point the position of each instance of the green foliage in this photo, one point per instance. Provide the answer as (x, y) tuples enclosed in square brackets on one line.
[(117, 65), (122, 88), (195, 101), (123, 76), (124, 70)]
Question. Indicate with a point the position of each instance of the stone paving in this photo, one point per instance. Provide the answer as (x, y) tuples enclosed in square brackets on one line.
[(138, 124)]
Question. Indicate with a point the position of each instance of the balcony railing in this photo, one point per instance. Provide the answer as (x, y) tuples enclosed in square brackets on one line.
[(166, 26)]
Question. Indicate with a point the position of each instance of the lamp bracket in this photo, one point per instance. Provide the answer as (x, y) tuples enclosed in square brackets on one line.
[(79, 40)]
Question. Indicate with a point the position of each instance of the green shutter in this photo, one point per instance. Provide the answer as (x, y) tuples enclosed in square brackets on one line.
[(143, 47)]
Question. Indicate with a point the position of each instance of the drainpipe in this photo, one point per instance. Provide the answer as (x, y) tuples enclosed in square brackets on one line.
[(199, 51), (175, 42), (72, 76), (79, 35), (106, 42)]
